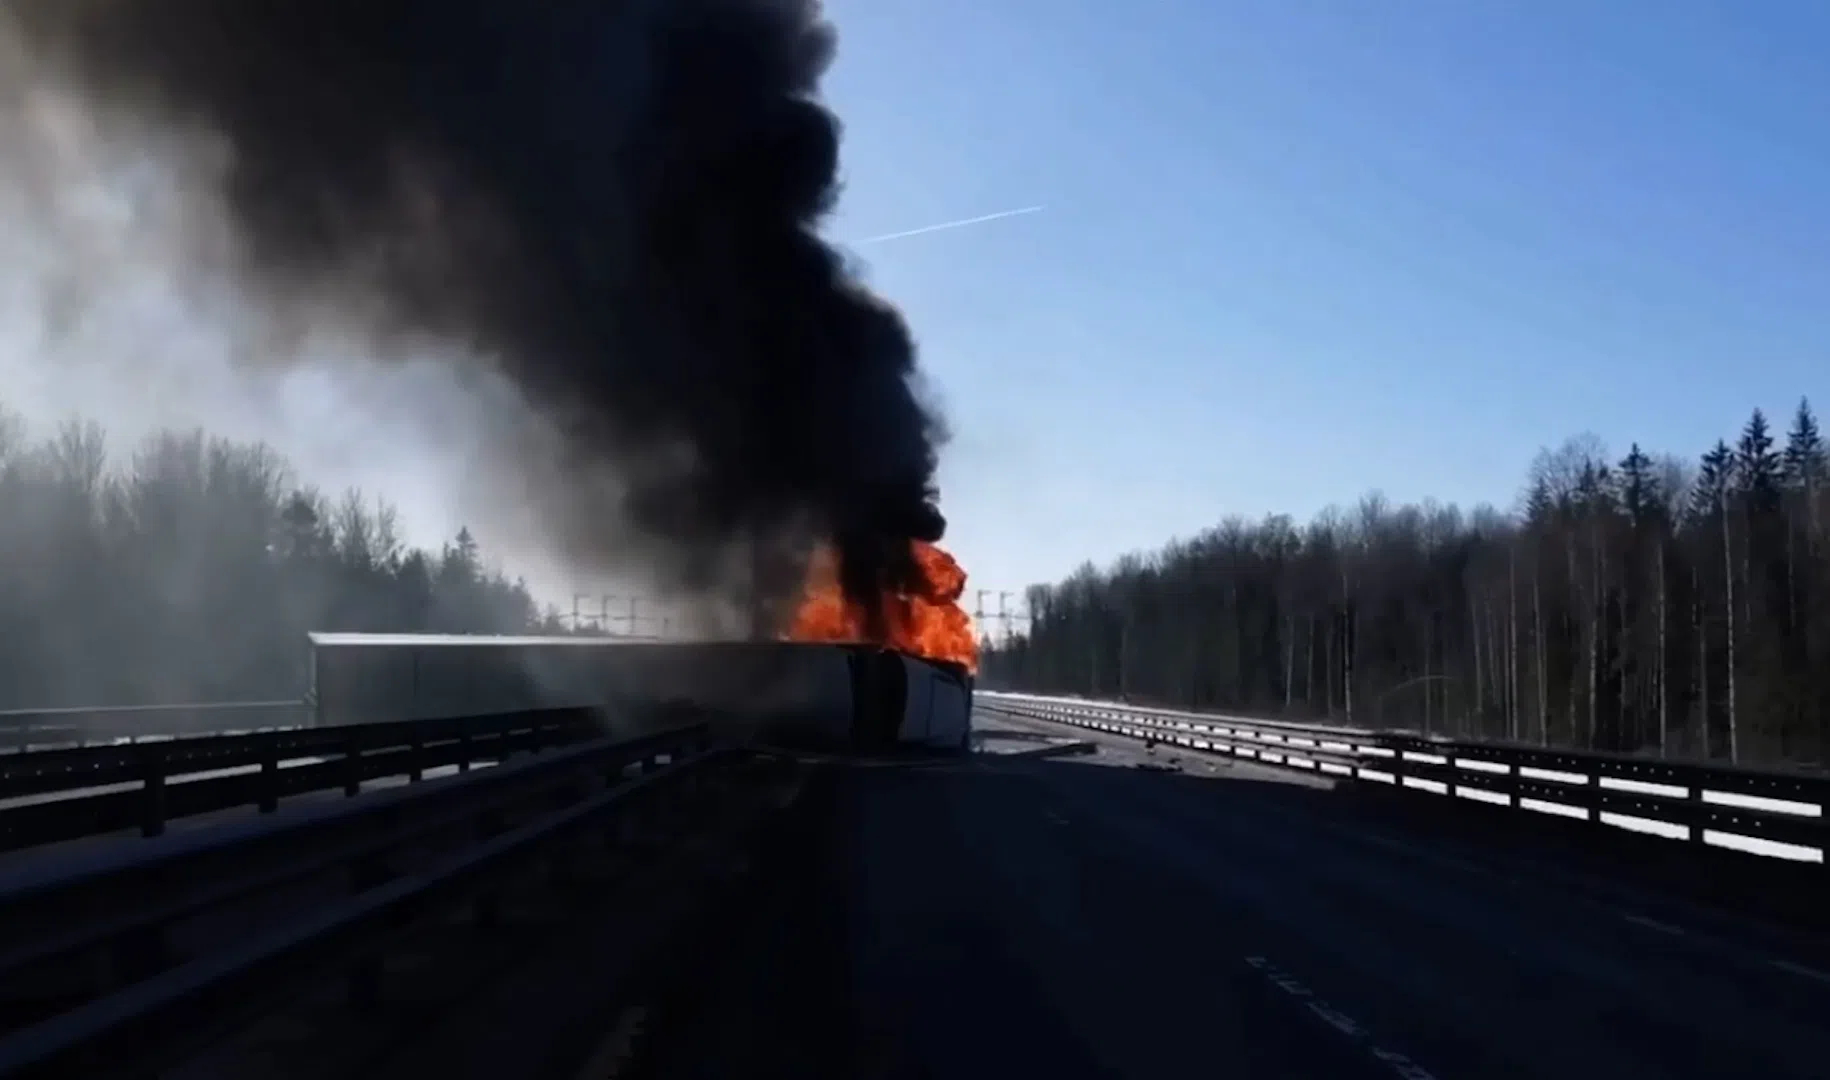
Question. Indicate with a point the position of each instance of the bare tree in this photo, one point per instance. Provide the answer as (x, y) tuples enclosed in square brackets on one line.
[(192, 570), (1643, 604)]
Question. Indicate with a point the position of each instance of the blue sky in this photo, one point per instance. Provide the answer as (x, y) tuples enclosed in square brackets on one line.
[(1295, 250)]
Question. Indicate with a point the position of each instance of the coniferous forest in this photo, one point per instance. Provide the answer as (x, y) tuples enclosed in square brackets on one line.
[(1628, 602), (190, 568)]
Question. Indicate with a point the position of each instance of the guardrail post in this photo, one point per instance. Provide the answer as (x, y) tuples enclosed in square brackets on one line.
[(152, 803), (1694, 828), (1593, 796), (352, 762), (416, 764), (466, 750), (270, 772)]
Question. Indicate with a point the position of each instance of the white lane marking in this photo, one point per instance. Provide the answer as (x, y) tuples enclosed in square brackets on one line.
[(1652, 924), (614, 1054), (1399, 1064), (1722, 947), (1055, 818), (1727, 948), (1801, 971)]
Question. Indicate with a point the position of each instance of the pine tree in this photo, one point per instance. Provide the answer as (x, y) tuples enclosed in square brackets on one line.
[(1621, 603), (1758, 476), (1714, 478), (1806, 467), (1805, 459), (1638, 488)]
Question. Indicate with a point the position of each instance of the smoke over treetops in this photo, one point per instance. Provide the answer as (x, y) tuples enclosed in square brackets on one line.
[(611, 203)]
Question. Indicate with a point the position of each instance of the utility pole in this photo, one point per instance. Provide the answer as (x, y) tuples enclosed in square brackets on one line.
[(1124, 648), (1007, 636), (1006, 617)]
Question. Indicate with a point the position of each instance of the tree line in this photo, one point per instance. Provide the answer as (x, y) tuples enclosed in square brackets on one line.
[(192, 569), (1641, 603)]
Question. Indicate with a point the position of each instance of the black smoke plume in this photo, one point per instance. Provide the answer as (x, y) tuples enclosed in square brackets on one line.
[(614, 201)]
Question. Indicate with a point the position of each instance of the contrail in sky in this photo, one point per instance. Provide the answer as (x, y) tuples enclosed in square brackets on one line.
[(960, 224)]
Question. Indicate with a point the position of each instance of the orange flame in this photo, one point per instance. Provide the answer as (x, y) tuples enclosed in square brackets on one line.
[(929, 624)]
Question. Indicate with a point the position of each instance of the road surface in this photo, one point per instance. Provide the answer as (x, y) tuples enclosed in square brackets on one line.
[(1108, 917)]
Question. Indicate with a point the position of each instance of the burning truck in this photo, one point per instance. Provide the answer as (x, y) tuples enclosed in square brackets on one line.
[(832, 683), (913, 658)]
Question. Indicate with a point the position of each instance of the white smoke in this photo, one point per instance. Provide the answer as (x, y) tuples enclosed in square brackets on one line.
[(96, 321)]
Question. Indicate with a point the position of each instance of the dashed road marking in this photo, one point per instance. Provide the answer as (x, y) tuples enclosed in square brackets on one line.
[(1399, 1064), (1718, 946), (1652, 924), (1801, 971), (615, 1053)]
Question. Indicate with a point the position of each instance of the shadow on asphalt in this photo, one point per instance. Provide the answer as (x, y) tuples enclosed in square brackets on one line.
[(1786, 893), (781, 998)]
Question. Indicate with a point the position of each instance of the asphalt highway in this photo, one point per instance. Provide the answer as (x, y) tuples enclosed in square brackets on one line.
[(1120, 916)]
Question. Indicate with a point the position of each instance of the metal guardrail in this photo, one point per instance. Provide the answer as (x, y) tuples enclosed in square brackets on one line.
[(28, 729), (66, 793), (98, 937), (1759, 811)]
